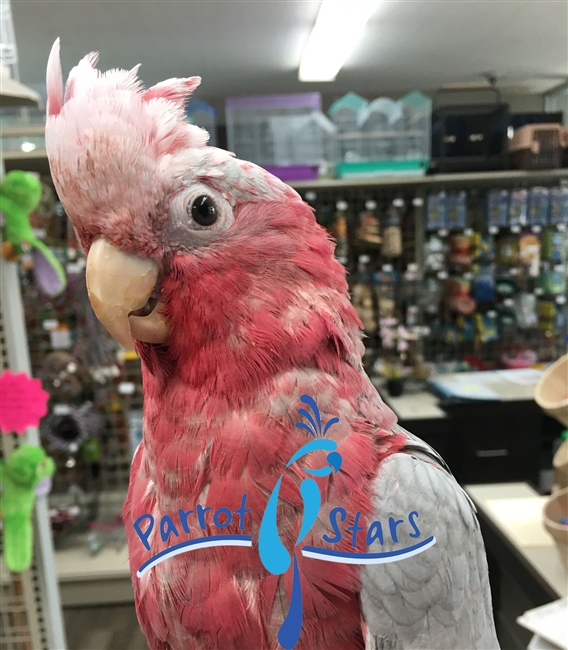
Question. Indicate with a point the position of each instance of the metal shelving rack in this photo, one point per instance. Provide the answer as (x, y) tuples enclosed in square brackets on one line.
[(30, 608)]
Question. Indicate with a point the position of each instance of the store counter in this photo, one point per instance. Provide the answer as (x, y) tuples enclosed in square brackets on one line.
[(524, 565), (488, 440)]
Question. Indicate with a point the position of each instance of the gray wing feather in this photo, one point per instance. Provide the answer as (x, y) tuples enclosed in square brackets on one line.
[(439, 599)]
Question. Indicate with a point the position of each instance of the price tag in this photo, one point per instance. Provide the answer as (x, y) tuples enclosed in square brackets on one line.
[(126, 388), (508, 302), (444, 232), (364, 259), (71, 253), (514, 271), (560, 300), (536, 229), (73, 267), (342, 260), (39, 233), (468, 276), (417, 201), (311, 196), (371, 205), (492, 313), (60, 339), (398, 203), (442, 275), (493, 230), (561, 227), (468, 232), (387, 268), (538, 291), (50, 324), (516, 229), (341, 205), (61, 409)]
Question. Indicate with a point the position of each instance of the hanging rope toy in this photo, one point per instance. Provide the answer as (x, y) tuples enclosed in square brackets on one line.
[(20, 194), (26, 473)]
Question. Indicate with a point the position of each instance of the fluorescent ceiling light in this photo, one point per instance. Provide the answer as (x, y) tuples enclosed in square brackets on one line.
[(339, 27)]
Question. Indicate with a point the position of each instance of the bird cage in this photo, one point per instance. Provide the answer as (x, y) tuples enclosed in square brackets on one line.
[(383, 136), (202, 114), (267, 131)]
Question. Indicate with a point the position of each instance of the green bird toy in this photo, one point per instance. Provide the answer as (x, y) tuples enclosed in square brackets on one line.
[(20, 194), (24, 475)]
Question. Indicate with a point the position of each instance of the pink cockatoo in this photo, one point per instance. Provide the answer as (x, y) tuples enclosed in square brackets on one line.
[(228, 288)]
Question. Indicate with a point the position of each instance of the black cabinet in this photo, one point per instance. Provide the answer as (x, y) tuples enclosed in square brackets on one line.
[(487, 442)]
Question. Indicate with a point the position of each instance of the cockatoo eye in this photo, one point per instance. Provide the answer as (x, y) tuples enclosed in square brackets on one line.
[(197, 216), (203, 210)]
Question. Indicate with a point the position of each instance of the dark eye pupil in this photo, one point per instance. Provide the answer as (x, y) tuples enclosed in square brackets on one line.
[(204, 211)]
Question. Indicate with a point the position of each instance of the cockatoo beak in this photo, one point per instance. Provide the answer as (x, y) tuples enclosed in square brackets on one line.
[(119, 286)]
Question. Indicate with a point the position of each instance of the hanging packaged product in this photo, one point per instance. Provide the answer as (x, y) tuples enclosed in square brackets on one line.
[(456, 211), (546, 311), (482, 247), (554, 246), (340, 232), (529, 254), (497, 208), (458, 299), (526, 310), (434, 254), (539, 202), (459, 255), (508, 250), (558, 206), (486, 327), (505, 287), (518, 207), (430, 296), (362, 297), (369, 231), (385, 292), (552, 282), (483, 287), (392, 236), (506, 317), (436, 211), (465, 329)]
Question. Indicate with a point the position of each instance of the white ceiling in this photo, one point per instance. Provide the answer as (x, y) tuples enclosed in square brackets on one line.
[(255, 46)]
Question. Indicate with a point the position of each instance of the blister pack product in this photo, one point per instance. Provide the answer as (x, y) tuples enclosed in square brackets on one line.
[(558, 206), (483, 285), (497, 208), (456, 211), (518, 207), (554, 246), (539, 202), (436, 210)]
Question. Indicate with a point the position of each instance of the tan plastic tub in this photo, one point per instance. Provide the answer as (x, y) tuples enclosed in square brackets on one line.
[(554, 510), (551, 392)]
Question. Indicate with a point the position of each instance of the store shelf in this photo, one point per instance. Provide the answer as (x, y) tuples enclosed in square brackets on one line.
[(37, 154), (23, 131), (509, 176)]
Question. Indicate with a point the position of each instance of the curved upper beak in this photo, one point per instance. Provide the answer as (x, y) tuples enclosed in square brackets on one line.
[(119, 284)]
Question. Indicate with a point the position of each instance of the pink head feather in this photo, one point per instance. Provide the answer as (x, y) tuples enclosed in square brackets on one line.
[(118, 152)]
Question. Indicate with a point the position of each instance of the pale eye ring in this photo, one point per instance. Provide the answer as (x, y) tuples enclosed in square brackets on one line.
[(203, 210)]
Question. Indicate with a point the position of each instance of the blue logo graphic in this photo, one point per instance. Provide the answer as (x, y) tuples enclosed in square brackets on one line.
[(273, 554)]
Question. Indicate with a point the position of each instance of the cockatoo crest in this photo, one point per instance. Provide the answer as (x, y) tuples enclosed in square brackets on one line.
[(119, 152)]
